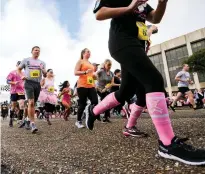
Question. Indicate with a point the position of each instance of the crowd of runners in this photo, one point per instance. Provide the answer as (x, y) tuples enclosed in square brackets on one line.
[(138, 85)]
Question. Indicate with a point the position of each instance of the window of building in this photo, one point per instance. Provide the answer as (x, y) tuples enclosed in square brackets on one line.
[(196, 46), (175, 59), (158, 62)]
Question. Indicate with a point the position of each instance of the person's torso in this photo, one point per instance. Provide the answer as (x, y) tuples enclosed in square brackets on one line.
[(185, 76), (49, 85), (104, 78), (66, 95), (33, 70), (116, 81), (86, 81), (19, 87), (128, 29)]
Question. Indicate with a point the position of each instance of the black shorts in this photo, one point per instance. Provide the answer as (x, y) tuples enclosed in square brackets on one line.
[(183, 90), (16, 97), (32, 89)]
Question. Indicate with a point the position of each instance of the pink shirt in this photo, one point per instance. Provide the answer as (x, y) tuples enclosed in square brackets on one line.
[(14, 77)]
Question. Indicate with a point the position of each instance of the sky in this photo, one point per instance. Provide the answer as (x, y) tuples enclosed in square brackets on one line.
[(62, 28)]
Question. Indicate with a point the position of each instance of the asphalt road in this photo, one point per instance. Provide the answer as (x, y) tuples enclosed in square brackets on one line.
[(62, 148)]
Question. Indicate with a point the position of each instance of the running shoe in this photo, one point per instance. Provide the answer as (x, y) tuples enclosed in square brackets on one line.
[(79, 124), (90, 117), (33, 128), (22, 124), (182, 152), (134, 132), (172, 108), (27, 125)]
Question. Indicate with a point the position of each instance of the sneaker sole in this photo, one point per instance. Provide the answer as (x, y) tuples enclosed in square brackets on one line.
[(127, 135), (79, 127), (172, 157)]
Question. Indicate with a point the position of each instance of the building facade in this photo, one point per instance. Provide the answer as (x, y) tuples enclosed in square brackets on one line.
[(169, 56)]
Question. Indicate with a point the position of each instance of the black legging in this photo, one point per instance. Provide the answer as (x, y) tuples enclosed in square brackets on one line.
[(102, 96), (84, 94), (139, 75)]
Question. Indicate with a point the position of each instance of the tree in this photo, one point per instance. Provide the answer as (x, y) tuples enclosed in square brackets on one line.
[(196, 61)]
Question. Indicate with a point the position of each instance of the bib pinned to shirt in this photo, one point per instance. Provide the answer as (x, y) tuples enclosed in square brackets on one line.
[(35, 73), (51, 89), (90, 80), (142, 31)]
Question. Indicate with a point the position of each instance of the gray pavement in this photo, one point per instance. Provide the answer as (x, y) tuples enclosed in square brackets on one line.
[(62, 148)]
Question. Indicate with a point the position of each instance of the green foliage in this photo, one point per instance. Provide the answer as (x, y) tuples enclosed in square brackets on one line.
[(197, 61)]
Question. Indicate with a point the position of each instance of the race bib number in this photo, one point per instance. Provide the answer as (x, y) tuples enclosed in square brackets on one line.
[(51, 89), (108, 85), (35, 74), (20, 93), (142, 31), (90, 80)]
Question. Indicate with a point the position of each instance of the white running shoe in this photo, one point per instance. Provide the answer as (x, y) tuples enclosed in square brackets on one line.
[(79, 125)]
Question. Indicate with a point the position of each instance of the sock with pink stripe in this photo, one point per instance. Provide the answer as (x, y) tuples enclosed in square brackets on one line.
[(134, 115), (157, 107), (108, 102)]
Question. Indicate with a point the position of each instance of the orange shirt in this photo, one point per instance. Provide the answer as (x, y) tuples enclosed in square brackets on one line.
[(86, 81)]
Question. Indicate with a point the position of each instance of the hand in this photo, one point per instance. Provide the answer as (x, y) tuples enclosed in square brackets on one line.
[(89, 71), (23, 78), (191, 82), (154, 28), (108, 86), (15, 83), (135, 3)]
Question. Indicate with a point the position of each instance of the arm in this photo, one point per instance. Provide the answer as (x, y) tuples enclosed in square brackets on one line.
[(108, 13), (42, 82), (103, 12), (152, 29), (113, 83), (155, 16)]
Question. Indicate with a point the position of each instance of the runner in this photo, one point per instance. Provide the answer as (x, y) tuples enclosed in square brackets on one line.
[(34, 69), (105, 82), (17, 94), (117, 81), (47, 95), (183, 78), (65, 95), (85, 85), (128, 34)]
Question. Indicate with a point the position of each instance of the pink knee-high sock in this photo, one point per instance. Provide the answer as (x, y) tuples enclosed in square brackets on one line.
[(157, 107), (134, 115), (108, 102)]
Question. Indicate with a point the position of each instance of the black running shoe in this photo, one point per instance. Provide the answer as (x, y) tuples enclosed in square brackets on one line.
[(134, 132), (182, 152), (22, 124), (172, 108), (90, 117)]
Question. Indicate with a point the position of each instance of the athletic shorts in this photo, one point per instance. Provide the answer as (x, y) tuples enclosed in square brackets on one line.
[(32, 89), (183, 90), (16, 97)]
